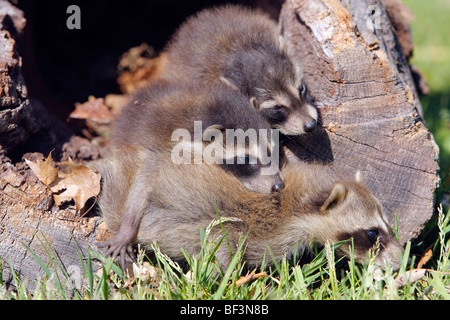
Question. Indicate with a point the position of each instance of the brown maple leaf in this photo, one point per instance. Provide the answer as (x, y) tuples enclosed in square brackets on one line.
[(44, 170), (76, 182), (68, 181)]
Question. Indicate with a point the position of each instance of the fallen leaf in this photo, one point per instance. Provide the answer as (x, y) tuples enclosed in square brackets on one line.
[(44, 170), (67, 180), (76, 182), (250, 277), (425, 258), (94, 110), (138, 67), (408, 277)]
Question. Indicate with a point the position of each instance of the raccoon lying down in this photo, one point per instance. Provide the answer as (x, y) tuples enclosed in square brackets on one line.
[(316, 205), (170, 123)]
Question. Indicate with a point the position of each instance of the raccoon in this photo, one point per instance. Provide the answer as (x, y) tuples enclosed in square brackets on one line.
[(243, 49), (145, 139), (316, 205)]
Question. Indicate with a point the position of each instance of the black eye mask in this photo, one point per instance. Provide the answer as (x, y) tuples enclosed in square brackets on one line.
[(275, 115), (246, 169)]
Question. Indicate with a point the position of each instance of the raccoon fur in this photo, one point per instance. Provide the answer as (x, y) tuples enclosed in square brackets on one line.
[(316, 205), (143, 140), (242, 47)]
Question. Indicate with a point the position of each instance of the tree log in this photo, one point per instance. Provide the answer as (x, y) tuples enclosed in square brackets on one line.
[(360, 79), (28, 216), (370, 110)]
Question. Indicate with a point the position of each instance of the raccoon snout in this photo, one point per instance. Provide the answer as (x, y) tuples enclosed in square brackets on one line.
[(310, 126), (277, 187)]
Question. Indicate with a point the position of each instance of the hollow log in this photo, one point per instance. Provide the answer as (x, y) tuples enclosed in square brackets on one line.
[(358, 76)]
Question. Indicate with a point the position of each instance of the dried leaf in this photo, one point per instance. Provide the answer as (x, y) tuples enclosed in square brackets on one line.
[(408, 277), (250, 277), (94, 110), (44, 170), (139, 67), (425, 258), (76, 182)]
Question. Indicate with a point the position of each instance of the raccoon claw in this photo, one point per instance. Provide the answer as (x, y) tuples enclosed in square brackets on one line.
[(118, 248)]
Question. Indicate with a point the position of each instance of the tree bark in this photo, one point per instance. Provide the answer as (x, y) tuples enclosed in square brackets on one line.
[(15, 126), (360, 80), (28, 216), (369, 106)]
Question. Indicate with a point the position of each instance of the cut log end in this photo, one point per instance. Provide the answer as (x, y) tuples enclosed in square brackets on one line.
[(368, 102)]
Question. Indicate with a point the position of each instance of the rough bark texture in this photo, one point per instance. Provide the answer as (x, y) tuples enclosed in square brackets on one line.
[(15, 111), (28, 216), (363, 84), (360, 79)]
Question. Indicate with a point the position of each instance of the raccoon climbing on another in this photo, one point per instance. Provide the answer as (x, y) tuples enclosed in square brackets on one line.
[(243, 49), (182, 124), (317, 205)]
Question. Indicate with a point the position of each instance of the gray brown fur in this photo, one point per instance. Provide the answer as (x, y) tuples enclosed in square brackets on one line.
[(182, 203), (242, 48), (141, 144)]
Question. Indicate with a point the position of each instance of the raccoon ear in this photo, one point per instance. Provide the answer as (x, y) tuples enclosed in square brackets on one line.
[(228, 82), (282, 43), (212, 131), (299, 71), (254, 102), (337, 195), (358, 176)]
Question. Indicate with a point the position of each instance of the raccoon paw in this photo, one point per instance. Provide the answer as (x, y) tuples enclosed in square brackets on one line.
[(118, 247)]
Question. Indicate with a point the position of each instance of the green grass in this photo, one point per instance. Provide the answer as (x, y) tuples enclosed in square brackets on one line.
[(431, 34), (325, 277)]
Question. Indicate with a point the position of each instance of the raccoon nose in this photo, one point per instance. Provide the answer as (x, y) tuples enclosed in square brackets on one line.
[(310, 126), (277, 187)]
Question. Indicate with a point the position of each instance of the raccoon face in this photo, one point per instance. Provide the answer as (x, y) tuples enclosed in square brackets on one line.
[(282, 99), (351, 212), (273, 84), (289, 112), (251, 156)]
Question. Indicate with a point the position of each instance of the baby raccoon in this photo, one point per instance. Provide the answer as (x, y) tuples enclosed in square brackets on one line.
[(243, 49), (181, 124), (316, 205)]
